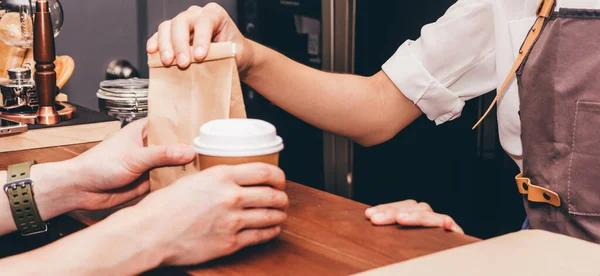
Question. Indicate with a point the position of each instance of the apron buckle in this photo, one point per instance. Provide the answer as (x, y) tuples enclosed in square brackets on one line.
[(536, 193)]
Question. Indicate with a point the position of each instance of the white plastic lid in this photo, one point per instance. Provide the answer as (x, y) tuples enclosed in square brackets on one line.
[(238, 138)]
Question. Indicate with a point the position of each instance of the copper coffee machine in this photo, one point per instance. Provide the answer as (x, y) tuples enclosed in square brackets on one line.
[(24, 100)]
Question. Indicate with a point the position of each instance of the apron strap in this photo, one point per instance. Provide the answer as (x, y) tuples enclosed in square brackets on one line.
[(536, 193), (544, 11)]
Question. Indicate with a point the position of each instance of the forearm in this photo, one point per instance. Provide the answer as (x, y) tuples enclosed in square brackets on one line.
[(369, 110), (51, 193), (118, 245)]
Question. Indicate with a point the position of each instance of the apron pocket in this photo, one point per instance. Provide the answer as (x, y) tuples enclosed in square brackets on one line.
[(583, 193)]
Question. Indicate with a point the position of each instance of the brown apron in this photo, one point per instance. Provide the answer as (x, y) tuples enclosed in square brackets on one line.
[(558, 73), (559, 91)]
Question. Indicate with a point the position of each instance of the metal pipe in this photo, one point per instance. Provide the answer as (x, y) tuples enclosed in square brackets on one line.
[(44, 54)]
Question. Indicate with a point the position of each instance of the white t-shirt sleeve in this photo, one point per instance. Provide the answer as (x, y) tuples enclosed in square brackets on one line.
[(453, 61)]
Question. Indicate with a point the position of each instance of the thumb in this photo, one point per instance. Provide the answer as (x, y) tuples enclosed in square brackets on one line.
[(160, 156)]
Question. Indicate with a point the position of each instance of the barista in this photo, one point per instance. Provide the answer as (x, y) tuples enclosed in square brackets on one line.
[(548, 121)]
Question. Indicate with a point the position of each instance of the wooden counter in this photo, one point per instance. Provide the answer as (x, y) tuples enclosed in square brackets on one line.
[(324, 235)]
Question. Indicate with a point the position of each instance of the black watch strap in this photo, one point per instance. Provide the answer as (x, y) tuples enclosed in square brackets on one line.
[(19, 190)]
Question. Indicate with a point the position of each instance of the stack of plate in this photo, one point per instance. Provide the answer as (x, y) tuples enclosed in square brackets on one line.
[(124, 99)]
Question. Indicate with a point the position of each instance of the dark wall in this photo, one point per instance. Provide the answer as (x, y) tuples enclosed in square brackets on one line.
[(94, 33), (272, 23)]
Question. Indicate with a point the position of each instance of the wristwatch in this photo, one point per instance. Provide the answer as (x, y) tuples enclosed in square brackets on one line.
[(19, 190)]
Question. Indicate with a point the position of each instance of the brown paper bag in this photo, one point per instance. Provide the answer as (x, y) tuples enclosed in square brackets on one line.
[(181, 101)]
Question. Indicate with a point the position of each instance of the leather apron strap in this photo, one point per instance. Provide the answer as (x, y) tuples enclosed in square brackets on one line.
[(534, 193), (544, 11)]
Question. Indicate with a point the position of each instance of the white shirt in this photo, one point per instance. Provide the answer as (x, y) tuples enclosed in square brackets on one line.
[(468, 52)]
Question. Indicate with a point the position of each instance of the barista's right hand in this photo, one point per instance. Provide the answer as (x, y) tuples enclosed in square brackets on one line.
[(199, 26), (214, 213)]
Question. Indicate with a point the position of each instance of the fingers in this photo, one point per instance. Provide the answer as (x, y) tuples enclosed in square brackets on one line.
[(206, 27), (257, 236), (147, 158), (133, 132), (262, 225), (386, 214), (451, 225), (164, 43), (135, 190), (174, 36), (120, 195), (263, 197), (203, 33), (381, 208), (385, 217), (428, 219), (410, 213), (152, 44), (137, 126), (258, 174), (180, 38), (262, 218)]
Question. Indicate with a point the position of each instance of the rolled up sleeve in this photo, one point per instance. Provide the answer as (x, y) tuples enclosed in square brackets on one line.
[(452, 62)]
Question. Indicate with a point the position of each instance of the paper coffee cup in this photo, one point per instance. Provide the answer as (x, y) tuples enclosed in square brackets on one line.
[(237, 141)]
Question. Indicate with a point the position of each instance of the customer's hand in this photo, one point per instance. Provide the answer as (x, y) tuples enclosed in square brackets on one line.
[(199, 26), (214, 213), (114, 171), (410, 213), (198, 218)]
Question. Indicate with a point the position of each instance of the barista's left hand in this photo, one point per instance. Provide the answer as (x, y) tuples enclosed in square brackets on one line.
[(411, 213), (115, 171)]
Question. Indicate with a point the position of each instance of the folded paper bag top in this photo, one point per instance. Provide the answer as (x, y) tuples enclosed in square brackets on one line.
[(238, 137), (216, 51), (181, 100)]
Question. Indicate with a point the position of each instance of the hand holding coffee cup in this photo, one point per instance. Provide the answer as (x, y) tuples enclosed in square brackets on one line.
[(237, 141)]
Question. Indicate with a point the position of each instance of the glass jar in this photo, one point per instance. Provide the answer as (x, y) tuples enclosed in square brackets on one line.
[(16, 21), (124, 99), (19, 90)]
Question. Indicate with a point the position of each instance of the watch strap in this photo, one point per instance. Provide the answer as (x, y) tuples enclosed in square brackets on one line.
[(19, 190), (19, 171)]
